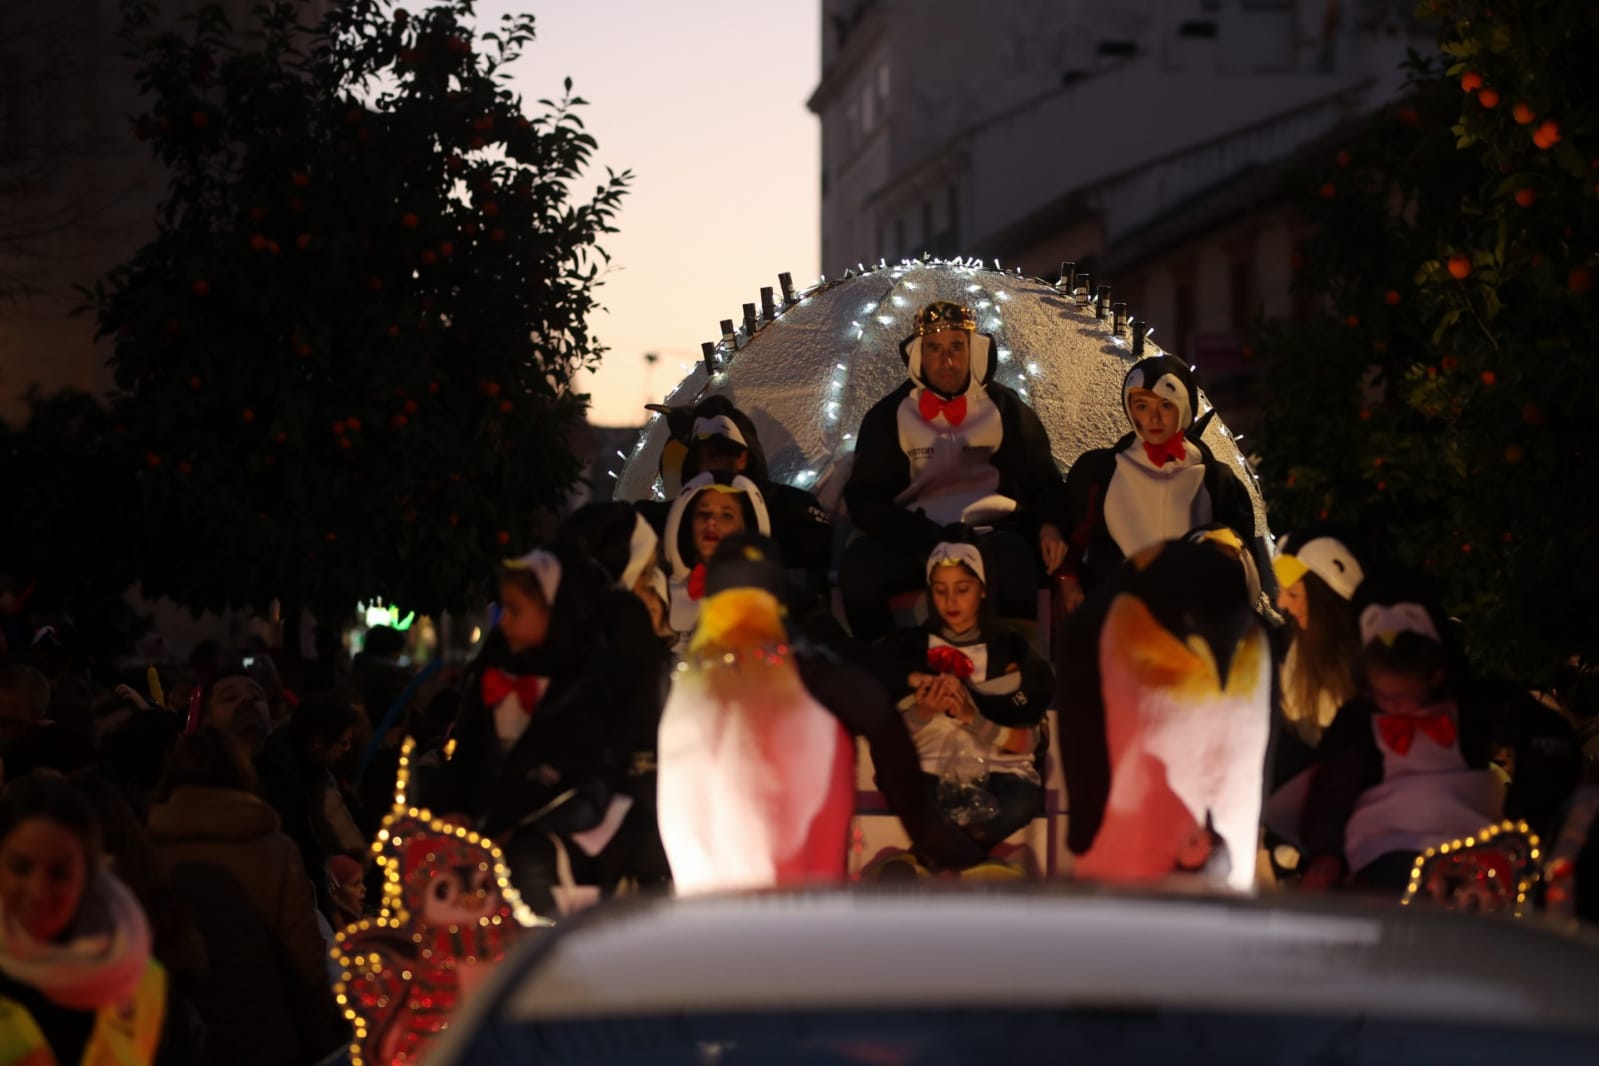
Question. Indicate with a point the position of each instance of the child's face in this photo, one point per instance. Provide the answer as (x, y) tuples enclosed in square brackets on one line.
[(1154, 417), (715, 515), (1401, 692), (957, 596), (524, 619)]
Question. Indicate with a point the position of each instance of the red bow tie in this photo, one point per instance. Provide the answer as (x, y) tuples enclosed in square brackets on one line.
[(497, 684), (696, 582), (1161, 454), (931, 406), (1398, 731)]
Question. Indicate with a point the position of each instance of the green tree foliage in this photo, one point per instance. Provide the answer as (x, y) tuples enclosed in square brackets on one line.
[(1445, 393), (347, 356)]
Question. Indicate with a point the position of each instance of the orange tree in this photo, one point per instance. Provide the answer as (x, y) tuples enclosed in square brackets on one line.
[(1445, 393), (346, 358)]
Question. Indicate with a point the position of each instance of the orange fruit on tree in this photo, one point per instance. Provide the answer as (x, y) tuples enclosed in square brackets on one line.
[(1460, 266), (1488, 98), (1522, 114), (1470, 81), (1526, 196), (1579, 280)]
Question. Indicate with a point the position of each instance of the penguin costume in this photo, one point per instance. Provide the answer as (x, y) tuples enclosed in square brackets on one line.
[(1122, 499), (1165, 685), (926, 459), (537, 738), (714, 427), (757, 757), (1398, 774), (1009, 687), (685, 570)]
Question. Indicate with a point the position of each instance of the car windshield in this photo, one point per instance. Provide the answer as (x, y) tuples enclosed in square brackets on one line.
[(1029, 1037)]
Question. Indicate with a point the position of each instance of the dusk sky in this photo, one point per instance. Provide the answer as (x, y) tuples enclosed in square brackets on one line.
[(705, 103)]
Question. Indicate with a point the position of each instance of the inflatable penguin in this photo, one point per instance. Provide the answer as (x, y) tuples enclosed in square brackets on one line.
[(1165, 690), (756, 781)]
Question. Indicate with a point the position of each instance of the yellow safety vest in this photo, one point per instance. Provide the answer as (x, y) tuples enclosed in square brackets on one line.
[(124, 1034)]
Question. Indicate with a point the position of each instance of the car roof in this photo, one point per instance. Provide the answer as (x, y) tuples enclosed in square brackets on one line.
[(1043, 947)]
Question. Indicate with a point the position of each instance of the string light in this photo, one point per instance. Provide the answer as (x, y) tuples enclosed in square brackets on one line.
[(1522, 842), (364, 950)]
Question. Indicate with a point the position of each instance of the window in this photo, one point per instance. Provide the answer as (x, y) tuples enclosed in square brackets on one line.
[(1184, 326)]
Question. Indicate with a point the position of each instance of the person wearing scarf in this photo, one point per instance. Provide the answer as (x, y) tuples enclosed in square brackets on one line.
[(77, 981), (1155, 484)]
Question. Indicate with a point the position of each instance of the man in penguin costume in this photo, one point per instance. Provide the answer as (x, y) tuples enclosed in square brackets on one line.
[(1165, 682), (757, 757), (1156, 484), (949, 445)]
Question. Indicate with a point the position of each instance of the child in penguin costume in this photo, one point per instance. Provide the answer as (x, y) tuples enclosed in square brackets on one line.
[(710, 508), (538, 745), (1165, 685), (949, 445), (1156, 484), (1410, 761), (714, 435), (972, 686), (757, 756)]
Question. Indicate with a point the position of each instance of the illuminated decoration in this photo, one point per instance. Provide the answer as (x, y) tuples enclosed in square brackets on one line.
[(448, 912), (807, 375), (375, 614), (1492, 871)]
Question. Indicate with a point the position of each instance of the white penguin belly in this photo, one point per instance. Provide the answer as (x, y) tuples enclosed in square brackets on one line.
[(754, 781)]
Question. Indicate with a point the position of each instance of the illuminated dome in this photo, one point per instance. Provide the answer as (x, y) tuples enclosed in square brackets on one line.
[(810, 370)]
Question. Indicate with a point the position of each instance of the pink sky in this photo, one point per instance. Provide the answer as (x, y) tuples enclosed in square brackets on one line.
[(705, 102)]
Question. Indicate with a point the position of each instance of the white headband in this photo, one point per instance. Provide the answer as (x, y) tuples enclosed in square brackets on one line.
[(1384, 622), (719, 426), (546, 571), (947, 554)]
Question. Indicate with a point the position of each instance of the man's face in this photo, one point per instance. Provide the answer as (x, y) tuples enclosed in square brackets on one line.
[(947, 360), (718, 455)]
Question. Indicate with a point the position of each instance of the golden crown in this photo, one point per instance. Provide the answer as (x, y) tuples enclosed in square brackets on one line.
[(944, 315)]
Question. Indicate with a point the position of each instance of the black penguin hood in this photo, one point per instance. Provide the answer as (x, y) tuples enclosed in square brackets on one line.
[(982, 361), (1169, 378)]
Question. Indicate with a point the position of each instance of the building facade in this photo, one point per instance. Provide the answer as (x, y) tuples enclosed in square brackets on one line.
[(1146, 140)]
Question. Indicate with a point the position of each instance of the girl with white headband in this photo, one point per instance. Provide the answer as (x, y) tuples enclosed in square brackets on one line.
[(974, 687), (537, 755), (1409, 763)]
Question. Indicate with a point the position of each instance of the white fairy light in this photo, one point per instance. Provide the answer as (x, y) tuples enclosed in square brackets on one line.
[(1032, 368), (886, 320)]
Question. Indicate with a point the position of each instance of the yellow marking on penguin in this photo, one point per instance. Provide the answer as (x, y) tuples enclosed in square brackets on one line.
[(1289, 570), (1162, 661), (739, 618)]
